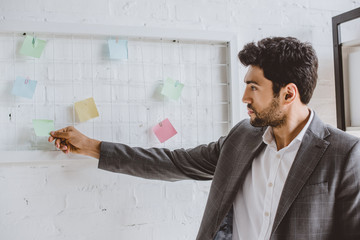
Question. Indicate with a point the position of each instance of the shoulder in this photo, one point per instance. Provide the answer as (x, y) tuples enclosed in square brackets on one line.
[(343, 149), (244, 126), (337, 139), (340, 138), (244, 131)]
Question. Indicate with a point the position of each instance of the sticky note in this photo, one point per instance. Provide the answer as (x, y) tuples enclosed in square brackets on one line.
[(24, 87), (172, 88), (86, 109), (118, 49), (164, 130), (32, 46), (43, 127)]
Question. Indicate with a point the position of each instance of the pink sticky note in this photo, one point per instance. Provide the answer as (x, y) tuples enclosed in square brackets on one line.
[(164, 130)]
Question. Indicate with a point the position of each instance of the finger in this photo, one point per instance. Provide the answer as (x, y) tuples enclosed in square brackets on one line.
[(67, 150), (63, 147), (50, 139), (62, 133), (68, 147), (57, 142), (63, 143)]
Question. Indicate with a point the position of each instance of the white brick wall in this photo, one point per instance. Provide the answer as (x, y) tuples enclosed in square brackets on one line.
[(74, 200)]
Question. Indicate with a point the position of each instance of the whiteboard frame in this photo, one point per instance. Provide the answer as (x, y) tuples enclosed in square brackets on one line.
[(230, 38)]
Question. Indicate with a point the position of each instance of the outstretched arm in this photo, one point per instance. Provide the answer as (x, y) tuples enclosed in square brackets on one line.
[(155, 163)]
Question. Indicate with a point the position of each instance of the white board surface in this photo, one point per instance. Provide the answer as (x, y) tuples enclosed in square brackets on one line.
[(127, 92)]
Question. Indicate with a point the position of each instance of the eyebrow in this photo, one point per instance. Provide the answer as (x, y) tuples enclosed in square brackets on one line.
[(251, 81)]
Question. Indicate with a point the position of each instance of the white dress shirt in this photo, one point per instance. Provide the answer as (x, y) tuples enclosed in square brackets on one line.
[(256, 203)]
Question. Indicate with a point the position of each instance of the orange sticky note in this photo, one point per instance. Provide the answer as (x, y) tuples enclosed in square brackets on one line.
[(164, 130), (86, 109)]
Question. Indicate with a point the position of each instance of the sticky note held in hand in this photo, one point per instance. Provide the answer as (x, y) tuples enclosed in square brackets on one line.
[(86, 109), (43, 127), (32, 47), (164, 130), (172, 89)]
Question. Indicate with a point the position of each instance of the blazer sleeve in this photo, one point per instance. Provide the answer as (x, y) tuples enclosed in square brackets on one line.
[(198, 163), (348, 198)]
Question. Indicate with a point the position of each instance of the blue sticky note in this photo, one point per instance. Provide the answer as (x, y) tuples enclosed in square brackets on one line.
[(118, 49), (24, 87)]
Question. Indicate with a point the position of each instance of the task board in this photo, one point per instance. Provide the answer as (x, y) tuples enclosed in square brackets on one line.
[(76, 65)]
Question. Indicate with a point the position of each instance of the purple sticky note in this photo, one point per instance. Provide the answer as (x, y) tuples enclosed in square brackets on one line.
[(164, 130)]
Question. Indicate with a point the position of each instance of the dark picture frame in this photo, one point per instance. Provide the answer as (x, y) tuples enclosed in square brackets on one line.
[(338, 64)]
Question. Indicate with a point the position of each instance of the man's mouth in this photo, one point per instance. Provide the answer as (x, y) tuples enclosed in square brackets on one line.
[(250, 111)]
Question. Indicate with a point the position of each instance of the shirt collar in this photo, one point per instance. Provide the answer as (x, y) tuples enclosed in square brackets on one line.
[(268, 136)]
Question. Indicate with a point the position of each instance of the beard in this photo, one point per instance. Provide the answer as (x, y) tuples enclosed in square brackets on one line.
[(270, 116)]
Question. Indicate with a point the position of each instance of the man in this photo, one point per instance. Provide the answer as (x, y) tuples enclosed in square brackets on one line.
[(283, 174)]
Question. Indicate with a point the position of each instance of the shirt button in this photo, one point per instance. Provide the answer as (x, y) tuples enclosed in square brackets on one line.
[(277, 155), (267, 214), (270, 184)]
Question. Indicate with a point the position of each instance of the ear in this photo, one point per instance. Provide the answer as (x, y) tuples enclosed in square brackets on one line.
[(290, 93)]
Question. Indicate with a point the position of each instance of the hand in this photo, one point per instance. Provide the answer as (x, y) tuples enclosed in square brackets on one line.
[(71, 140)]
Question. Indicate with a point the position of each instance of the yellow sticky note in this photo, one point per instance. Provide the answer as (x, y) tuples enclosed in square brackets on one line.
[(86, 109)]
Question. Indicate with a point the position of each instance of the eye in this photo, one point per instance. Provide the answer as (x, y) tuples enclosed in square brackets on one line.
[(253, 88)]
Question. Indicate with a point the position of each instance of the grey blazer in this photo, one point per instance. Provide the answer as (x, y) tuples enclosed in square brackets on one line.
[(320, 199)]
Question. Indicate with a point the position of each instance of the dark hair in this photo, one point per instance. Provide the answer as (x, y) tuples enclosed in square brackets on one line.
[(284, 60)]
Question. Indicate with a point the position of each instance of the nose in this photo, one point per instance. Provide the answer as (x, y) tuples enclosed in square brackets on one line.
[(245, 98)]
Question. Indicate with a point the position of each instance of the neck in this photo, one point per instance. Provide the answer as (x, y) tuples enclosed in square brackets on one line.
[(295, 122)]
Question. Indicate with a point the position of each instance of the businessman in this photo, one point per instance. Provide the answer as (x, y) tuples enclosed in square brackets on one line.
[(282, 174)]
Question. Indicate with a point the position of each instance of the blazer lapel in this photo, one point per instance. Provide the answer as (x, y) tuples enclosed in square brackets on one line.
[(239, 171), (309, 154)]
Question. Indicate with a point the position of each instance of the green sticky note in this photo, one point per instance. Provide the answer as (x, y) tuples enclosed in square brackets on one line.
[(32, 47), (172, 88), (43, 127)]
